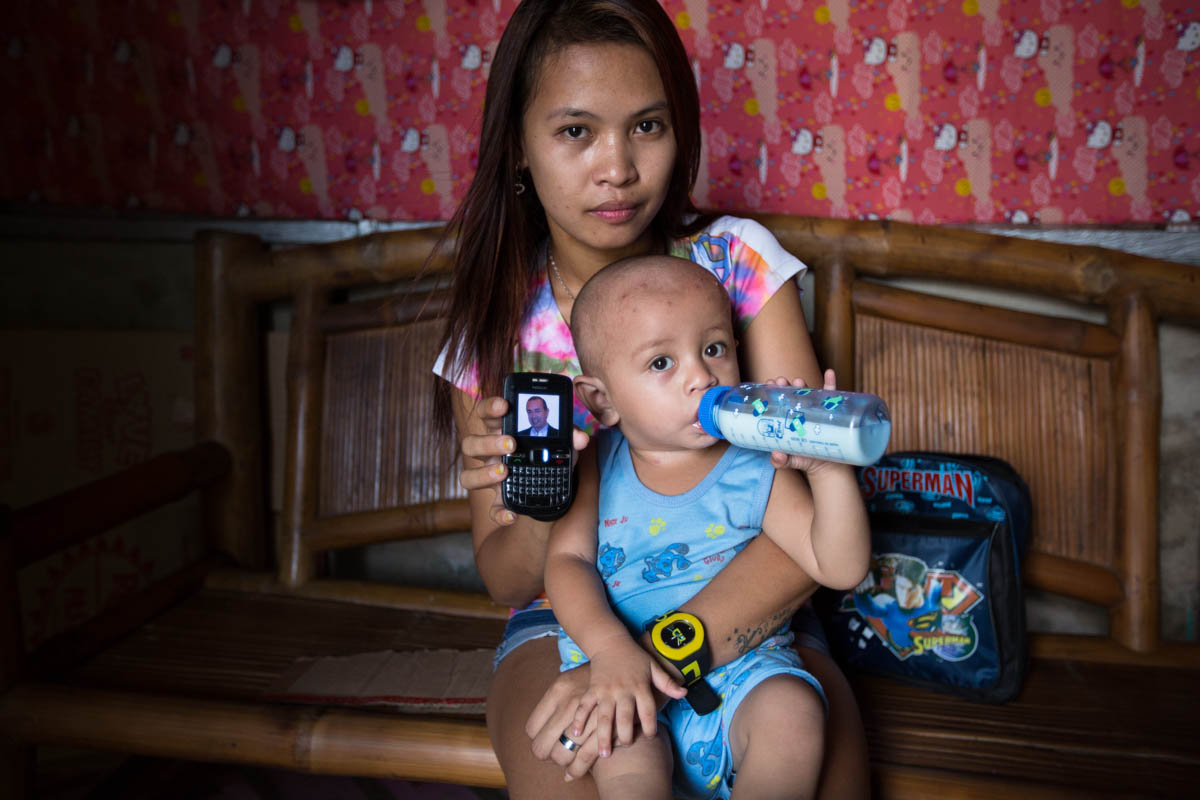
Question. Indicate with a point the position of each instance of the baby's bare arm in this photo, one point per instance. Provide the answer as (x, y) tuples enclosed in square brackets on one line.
[(819, 519), (623, 675), (821, 524)]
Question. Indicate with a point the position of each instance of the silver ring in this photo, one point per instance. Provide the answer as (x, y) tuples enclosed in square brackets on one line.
[(568, 743)]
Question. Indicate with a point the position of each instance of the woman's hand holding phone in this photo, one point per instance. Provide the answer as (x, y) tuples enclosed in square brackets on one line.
[(541, 469), (489, 448)]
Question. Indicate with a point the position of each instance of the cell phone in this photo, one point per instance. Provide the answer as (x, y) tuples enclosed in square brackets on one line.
[(541, 475)]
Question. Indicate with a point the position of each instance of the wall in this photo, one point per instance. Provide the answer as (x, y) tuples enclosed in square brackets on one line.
[(1075, 111)]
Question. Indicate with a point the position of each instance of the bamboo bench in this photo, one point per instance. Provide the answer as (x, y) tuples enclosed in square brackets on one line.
[(180, 670)]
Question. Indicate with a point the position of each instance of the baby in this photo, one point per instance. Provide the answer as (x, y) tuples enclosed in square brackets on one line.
[(661, 506)]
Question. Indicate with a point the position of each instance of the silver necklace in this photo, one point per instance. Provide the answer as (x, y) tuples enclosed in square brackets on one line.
[(558, 275)]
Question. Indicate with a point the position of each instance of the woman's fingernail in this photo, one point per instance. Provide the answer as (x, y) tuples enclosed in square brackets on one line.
[(498, 470), (507, 444), (509, 516), (567, 778)]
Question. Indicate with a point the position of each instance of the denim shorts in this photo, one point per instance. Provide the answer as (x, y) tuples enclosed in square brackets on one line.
[(527, 625), (809, 633)]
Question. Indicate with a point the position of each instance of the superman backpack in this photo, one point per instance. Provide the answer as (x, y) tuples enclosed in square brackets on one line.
[(941, 606)]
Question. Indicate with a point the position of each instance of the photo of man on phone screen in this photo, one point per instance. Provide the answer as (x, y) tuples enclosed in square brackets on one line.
[(539, 418)]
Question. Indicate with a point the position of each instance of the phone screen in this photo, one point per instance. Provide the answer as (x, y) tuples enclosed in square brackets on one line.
[(539, 415)]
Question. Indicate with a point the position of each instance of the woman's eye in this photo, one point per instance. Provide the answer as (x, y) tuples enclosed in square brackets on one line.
[(715, 350), (649, 126), (662, 363), (575, 131)]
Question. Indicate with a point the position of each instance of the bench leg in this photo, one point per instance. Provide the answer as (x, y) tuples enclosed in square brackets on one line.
[(18, 771)]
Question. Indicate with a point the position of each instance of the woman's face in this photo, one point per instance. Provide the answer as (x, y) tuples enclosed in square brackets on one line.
[(598, 142)]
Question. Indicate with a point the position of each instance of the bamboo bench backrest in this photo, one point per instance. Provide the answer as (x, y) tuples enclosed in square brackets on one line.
[(1073, 405), (362, 461), (379, 445)]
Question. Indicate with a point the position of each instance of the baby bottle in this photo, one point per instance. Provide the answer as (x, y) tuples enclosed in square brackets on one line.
[(850, 427)]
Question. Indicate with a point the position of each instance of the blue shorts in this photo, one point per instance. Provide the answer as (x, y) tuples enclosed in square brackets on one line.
[(702, 753), (527, 625)]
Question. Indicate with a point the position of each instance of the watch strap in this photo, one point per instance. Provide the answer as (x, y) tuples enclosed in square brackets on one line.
[(689, 654), (702, 697)]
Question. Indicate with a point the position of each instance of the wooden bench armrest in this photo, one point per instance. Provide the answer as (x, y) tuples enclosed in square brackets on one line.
[(45, 528)]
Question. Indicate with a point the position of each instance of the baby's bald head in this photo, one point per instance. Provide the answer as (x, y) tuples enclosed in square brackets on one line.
[(594, 315)]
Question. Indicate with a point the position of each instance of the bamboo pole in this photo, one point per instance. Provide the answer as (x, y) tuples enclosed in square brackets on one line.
[(45, 528), (12, 645), (367, 593), (390, 524), (1103, 650), (1092, 275), (384, 312), (959, 316), (373, 259), (308, 739), (17, 759), (74, 645), (835, 319), (1074, 579), (1138, 390), (305, 383), (230, 399), (912, 783)]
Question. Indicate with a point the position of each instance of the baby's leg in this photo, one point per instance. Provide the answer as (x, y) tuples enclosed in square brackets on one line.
[(776, 740), (637, 771)]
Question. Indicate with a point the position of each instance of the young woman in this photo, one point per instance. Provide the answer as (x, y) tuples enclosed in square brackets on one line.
[(589, 149)]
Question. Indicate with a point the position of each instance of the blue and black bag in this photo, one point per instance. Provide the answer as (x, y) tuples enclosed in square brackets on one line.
[(942, 605)]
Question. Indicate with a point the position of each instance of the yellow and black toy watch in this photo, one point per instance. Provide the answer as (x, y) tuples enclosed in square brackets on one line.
[(679, 638)]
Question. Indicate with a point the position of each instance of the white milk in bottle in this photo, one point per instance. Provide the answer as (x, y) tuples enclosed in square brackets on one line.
[(850, 427)]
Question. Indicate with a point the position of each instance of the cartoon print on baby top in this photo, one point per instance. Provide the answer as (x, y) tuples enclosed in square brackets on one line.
[(664, 563), (609, 559)]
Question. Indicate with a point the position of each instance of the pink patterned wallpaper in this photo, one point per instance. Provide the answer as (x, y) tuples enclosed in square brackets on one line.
[(1063, 111)]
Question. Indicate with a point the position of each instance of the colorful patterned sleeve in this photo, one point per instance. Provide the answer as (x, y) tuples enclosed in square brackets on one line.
[(746, 258)]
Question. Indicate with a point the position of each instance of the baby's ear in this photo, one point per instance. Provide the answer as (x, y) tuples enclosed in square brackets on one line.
[(593, 393)]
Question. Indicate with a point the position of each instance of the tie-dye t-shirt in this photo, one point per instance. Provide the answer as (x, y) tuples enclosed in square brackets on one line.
[(744, 256)]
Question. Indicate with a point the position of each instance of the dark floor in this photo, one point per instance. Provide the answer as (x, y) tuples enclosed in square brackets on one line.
[(85, 775)]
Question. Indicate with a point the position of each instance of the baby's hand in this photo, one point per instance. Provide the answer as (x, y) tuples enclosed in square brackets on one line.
[(781, 460), (620, 692)]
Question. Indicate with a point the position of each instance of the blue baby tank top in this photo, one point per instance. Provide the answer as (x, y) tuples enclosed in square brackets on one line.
[(655, 550)]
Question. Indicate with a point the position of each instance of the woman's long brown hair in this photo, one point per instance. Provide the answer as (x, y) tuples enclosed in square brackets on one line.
[(499, 232)]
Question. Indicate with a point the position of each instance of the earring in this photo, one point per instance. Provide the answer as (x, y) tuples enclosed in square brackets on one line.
[(519, 186)]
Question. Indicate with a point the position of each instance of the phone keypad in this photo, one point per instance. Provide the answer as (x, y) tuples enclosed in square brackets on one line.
[(541, 486)]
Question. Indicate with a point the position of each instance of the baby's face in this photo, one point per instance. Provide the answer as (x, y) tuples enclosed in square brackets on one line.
[(671, 344)]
